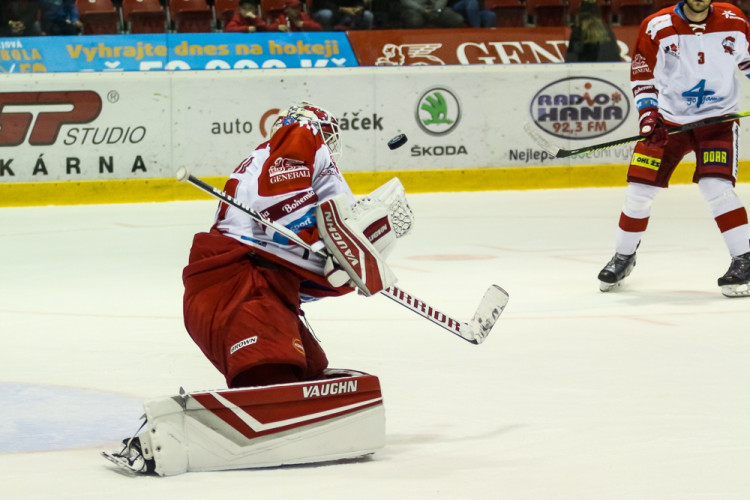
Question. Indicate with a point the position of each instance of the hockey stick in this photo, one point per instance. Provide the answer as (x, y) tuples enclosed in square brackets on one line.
[(475, 331), (535, 134)]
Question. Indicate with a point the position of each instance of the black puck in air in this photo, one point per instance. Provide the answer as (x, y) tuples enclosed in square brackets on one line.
[(397, 141)]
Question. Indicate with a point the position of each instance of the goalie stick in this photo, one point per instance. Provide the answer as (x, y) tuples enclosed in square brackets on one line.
[(474, 331), (535, 133)]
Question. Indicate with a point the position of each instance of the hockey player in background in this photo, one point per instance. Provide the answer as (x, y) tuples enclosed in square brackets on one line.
[(683, 71), (244, 286)]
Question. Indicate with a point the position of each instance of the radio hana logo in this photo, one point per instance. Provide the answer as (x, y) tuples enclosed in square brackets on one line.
[(580, 108)]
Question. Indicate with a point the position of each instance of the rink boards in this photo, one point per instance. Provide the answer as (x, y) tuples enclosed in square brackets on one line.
[(119, 137)]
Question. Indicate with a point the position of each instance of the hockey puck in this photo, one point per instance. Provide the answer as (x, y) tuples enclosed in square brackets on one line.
[(397, 141)]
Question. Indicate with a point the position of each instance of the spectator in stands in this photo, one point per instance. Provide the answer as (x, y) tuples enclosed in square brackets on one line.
[(591, 39), (292, 18), (417, 14), (20, 18), (474, 13), (386, 13), (246, 19), (60, 17), (343, 15)]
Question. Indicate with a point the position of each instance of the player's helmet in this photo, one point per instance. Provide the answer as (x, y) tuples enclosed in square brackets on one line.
[(319, 117)]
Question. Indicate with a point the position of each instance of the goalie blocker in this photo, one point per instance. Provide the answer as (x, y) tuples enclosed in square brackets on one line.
[(341, 416), (351, 240)]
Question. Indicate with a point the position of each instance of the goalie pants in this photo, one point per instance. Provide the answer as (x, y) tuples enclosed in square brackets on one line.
[(243, 312)]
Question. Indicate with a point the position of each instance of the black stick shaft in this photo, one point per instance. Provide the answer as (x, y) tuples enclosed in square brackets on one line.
[(564, 153)]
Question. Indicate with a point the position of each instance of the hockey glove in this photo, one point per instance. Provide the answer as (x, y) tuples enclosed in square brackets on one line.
[(653, 128), (350, 249)]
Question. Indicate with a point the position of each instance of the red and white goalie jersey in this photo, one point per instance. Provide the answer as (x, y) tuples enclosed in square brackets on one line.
[(284, 179), (687, 69)]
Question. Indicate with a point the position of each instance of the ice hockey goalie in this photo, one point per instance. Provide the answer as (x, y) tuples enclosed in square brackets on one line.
[(244, 286)]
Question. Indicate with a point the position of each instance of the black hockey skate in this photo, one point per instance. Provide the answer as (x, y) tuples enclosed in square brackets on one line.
[(736, 281), (133, 457), (616, 270)]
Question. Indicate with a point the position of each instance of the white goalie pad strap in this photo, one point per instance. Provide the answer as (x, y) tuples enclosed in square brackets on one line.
[(391, 197), (304, 422), (351, 249)]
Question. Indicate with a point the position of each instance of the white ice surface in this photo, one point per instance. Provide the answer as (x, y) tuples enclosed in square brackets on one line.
[(576, 394)]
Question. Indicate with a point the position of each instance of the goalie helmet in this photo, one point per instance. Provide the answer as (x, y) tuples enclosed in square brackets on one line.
[(324, 121)]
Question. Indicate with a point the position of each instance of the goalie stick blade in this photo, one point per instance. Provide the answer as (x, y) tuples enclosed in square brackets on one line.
[(539, 139), (475, 331), (490, 308)]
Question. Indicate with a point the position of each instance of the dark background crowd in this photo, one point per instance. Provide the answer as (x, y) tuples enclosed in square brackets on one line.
[(71, 17)]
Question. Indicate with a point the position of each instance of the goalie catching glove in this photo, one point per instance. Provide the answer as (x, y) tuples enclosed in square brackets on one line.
[(389, 200), (352, 255)]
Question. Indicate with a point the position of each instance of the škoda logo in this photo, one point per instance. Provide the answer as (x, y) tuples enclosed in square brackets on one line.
[(56, 112)]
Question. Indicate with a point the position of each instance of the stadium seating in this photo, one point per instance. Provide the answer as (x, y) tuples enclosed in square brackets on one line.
[(224, 10), (630, 12), (191, 16), (144, 16), (547, 12), (99, 17), (510, 13)]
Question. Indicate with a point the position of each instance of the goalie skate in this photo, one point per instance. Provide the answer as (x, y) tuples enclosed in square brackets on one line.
[(736, 281), (134, 456)]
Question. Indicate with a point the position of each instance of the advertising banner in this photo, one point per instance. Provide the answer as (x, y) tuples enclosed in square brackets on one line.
[(142, 125), (68, 127), (200, 51), (116, 53), (472, 46)]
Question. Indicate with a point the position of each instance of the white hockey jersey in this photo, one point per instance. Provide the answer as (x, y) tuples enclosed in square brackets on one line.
[(687, 70), (284, 179)]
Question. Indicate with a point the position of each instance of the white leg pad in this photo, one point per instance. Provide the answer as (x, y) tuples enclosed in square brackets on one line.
[(304, 422)]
